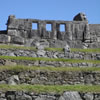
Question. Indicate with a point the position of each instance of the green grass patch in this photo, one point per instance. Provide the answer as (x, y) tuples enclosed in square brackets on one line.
[(51, 88), (89, 50), (54, 49), (43, 68), (17, 47), (50, 59)]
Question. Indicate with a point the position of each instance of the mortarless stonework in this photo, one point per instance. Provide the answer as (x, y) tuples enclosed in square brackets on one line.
[(68, 95), (77, 33)]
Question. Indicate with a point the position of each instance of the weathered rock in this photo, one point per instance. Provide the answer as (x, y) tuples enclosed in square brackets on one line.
[(10, 54), (70, 96), (57, 43), (17, 40), (66, 49), (9, 63), (13, 32), (2, 82), (10, 95), (80, 17), (13, 80), (40, 43), (85, 46), (88, 96), (97, 97), (45, 97), (35, 81), (23, 97), (98, 57), (4, 38), (41, 53)]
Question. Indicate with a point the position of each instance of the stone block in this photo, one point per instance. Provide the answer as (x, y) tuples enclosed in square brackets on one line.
[(13, 80), (66, 49), (80, 17), (12, 32), (70, 96), (88, 96), (17, 40), (23, 97), (40, 43), (4, 38), (57, 43)]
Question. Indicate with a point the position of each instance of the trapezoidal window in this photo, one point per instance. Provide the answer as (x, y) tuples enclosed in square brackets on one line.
[(62, 27), (34, 26), (48, 27)]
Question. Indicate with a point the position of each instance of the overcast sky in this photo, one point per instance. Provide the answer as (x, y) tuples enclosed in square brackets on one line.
[(49, 9)]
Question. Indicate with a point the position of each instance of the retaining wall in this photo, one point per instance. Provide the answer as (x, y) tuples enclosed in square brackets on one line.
[(72, 95), (49, 77)]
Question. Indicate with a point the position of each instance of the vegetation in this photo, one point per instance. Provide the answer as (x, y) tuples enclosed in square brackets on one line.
[(16, 47), (51, 88), (89, 50), (54, 49), (50, 59), (27, 68)]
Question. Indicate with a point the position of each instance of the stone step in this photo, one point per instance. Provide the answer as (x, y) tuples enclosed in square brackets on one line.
[(29, 61), (67, 95), (40, 92), (49, 76), (33, 52)]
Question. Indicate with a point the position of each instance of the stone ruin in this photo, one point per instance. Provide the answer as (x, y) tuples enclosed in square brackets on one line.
[(77, 33)]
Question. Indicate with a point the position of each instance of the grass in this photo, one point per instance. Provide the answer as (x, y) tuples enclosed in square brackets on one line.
[(50, 59), (51, 88), (54, 49), (89, 50), (65, 69), (16, 47)]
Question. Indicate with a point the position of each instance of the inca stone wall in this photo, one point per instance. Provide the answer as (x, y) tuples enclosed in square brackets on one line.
[(49, 54), (76, 33), (23, 27), (49, 77), (15, 95)]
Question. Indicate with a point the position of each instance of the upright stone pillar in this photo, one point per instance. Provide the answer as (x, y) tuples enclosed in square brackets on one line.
[(11, 29), (40, 28), (86, 33), (43, 31), (11, 18), (68, 32), (54, 31)]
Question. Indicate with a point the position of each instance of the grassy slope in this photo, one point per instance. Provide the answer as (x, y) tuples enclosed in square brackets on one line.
[(51, 88), (50, 59), (96, 50), (17, 47), (27, 68), (50, 49)]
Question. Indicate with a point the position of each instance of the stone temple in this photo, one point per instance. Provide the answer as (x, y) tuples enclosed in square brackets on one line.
[(55, 68), (77, 33)]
